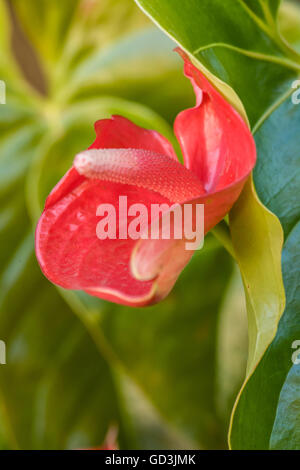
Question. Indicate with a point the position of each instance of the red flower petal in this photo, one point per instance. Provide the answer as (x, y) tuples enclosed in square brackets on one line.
[(165, 259), (119, 132), (216, 143), (68, 249)]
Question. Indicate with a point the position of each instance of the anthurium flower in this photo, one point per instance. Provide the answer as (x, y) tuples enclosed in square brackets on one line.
[(127, 160)]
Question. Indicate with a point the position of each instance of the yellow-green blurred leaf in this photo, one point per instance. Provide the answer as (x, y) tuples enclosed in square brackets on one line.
[(257, 238)]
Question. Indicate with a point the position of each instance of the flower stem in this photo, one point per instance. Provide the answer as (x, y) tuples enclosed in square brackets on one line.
[(222, 233)]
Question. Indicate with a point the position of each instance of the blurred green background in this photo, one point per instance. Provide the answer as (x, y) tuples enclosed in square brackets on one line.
[(164, 376)]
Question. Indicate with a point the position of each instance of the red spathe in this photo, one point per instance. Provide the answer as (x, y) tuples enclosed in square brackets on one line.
[(219, 154)]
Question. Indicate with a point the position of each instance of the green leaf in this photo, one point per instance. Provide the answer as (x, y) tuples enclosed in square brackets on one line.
[(277, 179), (265, 9), (232, 346), (235, 41), (289, 21), (286, 429), (3, 29), (257, 235), (277, 172)]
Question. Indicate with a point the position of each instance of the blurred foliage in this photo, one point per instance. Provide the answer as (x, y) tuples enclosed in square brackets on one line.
[(289, 20), (77, 365)]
